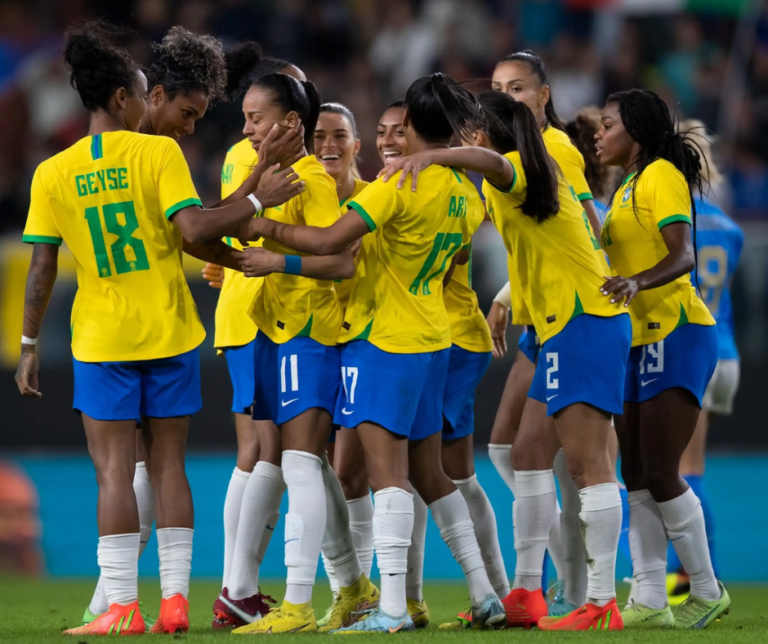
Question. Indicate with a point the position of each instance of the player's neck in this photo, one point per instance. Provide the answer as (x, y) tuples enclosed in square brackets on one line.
[(345, 186), (102, 121), (420, 145)]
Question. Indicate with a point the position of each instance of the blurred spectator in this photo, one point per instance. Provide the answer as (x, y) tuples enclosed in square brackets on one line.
[(20, 528)]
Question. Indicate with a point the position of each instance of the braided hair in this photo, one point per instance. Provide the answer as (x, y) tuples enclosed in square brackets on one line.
[(539, 69), (189, 62)]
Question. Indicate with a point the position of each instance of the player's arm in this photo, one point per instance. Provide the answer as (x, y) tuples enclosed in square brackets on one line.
[(498, 320), (40, 280), (260, 262), (214, 252), (459, 259), (594, 219)]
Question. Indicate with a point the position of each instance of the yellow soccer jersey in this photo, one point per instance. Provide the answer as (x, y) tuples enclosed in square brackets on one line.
[(559, 271), (110, 197), (570, 160), (234, 326), (397, 301), (632, 238), (290, 305), (344, 287), (469, 330)]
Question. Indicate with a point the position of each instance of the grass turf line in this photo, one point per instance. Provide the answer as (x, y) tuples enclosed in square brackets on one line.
[(38, 610)]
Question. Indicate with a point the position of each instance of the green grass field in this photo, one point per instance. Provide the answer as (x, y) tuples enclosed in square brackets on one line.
[(38, 610)]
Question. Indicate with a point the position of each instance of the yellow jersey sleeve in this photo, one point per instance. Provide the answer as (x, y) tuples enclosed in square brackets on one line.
[(668, 197), (379, 203), (234, 325), (41, 226), (174, 183), (570, 160)]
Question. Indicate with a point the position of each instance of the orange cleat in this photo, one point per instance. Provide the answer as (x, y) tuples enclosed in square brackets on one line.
[(524, 608), (173, 617), (118, 620), (587, 618)]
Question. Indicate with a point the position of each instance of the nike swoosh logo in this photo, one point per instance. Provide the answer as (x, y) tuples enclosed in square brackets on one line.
[(285, 403), (347, 413), (246, 617), (551, 397), (647, 382), (394, 630)]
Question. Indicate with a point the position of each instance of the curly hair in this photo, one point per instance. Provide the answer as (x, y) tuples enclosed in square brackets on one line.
[(602, 179), (98, 66), (189, 62)]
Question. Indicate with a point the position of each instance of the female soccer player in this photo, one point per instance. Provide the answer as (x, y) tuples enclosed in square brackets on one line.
[(523, 76), (585, 343), (135, 329), (396, 338), (647, 236)]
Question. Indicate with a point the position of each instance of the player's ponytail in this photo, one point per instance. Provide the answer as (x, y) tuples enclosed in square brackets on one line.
[(438, 107), (511, 126), (310, 120)]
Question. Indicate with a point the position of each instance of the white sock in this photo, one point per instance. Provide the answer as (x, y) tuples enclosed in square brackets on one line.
[(555, 543), (414, 580), (532, 514), (574, 573), (451, 515), (258, 509), (304, 523), (98, 603), (501, 457), (174, 549), (118, 556), (232, 505), (648, 545), (484, 521), (684, 520), (330, 572), (145, 501), (601, 518), (361, 525), (337, 544), (392, 529)]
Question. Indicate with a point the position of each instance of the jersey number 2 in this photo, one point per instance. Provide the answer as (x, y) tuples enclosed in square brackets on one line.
[(124, 234)]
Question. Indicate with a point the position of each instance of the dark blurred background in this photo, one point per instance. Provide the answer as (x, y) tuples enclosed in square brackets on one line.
[(707, 58)]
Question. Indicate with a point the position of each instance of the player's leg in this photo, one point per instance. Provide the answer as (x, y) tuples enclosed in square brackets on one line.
[(414, 579)]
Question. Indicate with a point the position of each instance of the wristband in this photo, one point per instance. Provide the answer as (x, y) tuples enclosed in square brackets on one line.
[(292, 265), (504, 296), (256, 203), (30, 341)]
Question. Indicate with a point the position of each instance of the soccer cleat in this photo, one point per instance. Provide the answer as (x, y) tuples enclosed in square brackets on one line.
[(557, 604), (350, 603), (88, 616), (324, 619), (524, 608), (173, 617), (377, 621), (637, 615), (231, 613), (288, 618), (587, 618), (419, 613), (696, 612), (678, 587), (118, 620), (463, 620), (490, 614)]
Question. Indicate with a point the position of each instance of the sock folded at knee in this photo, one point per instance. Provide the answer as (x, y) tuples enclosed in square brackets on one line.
[(484, 521), (145, 501), (648, 545), (601, 517), (414, 579), (232, 506), (361, 526), (501, 457), (452, 517), (118, 556), (684, 521), (392, 529), (174, 550), (533, 513)]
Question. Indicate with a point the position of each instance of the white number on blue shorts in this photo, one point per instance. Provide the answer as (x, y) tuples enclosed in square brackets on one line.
[(349, 390), (294, 366), (652, 359), (553, 364)]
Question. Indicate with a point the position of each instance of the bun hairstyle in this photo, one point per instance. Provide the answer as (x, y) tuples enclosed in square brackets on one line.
[(292, 95), (539, 69), (602, 179), (189, 62), (245, 64), (511, 126), (438, 107), (98, 65)]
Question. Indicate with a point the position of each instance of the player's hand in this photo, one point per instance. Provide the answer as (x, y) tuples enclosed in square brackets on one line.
[(498, 320), (282, 145), (259, 262), (409, 165), (26, 374), (275, 188), (355, 248), (214, 275), (618, 288)]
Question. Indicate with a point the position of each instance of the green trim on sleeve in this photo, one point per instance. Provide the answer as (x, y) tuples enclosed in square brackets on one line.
[(674, 219), (361, 211), (41, 239), (585, 196), (181, 205), (456, 174)]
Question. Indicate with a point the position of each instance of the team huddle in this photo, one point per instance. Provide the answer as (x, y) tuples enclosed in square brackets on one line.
[(355, 342)]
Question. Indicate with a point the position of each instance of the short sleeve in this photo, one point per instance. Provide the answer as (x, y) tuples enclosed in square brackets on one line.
[(668, 196), (572, 164), (41, 226), (320, 200), (174, 181), (378, 202)]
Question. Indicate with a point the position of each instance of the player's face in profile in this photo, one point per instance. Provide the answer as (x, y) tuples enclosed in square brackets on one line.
[(390, 135), (335, 143), (176, 118), (517, 80), (261, 114), (136, 103), (613, 144)]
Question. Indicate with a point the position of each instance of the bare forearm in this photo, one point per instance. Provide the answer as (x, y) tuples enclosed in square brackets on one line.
[(246, 188), (594, 220), (339, 266), (667, 270), (40, 280), (487, 162), (305, 239), (214, 252), (198, 226)]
